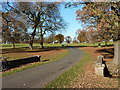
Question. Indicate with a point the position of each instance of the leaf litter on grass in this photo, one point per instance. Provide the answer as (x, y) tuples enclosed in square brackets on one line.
[(89, 79)]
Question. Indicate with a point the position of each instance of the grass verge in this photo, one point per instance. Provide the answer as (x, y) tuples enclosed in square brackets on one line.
[(67, 78), (24, 67)]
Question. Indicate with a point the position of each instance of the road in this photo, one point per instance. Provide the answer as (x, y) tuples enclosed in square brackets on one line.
[(37, 77)]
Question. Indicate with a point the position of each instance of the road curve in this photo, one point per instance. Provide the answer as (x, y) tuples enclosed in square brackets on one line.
[(37, 77)]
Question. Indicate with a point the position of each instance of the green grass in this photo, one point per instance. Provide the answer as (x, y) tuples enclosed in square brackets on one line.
[(67, 78), (89, 44), (35, 64), (8, 46)]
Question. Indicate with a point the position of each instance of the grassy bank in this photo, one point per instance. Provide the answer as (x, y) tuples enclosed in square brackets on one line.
[(56, 57), (71, 75)]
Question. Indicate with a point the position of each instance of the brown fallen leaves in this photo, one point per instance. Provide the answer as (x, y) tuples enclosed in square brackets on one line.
[(89, 79)]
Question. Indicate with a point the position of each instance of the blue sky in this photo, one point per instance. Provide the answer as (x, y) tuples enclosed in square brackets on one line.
[(69, 16)]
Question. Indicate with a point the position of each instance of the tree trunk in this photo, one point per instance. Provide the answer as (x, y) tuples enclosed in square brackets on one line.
[(116, 59), (31, 45), (13, 41), (99, 44), (32, 39), (105, 43), (41, 41), (13, 44), (31, 42), (60, 40)]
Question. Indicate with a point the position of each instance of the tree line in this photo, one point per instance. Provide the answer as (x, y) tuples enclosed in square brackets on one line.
[(93, 36)]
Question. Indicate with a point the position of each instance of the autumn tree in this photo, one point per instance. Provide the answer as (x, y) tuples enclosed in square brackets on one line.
[(68, 39), (105, 17), (92, 35), (82, 36), (59, 38)]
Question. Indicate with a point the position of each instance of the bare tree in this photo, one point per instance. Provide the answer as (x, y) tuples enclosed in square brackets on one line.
[(43, 16)]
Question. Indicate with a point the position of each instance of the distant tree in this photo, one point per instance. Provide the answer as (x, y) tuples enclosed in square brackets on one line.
[(25, 37), (75, 40), (92, 36), (68, 39), (50, 39), (82, 36), (36, 40), (59, 38)]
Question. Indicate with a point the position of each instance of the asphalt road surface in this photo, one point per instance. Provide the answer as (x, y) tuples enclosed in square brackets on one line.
[(37, 77)]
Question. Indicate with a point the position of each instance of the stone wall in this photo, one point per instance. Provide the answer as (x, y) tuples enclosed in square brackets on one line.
[(16, 63)]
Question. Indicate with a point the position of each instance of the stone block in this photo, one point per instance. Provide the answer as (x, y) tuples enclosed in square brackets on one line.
[(99, 69)]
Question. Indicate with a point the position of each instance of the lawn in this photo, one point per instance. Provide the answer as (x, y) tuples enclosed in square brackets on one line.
[(8, 46), (90, 44)]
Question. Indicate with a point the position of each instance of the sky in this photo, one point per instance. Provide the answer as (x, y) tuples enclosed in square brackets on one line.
[(69, 17)]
